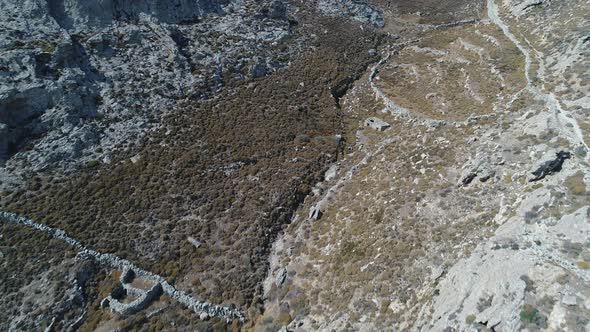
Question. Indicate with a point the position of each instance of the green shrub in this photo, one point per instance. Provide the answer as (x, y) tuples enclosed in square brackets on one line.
[(529, 314), (92, 163)]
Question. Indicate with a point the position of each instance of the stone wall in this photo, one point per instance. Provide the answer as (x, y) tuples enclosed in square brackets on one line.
[(144, 299), (203, 309)]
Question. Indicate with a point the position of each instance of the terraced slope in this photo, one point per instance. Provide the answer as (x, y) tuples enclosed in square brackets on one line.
[(438, 223)]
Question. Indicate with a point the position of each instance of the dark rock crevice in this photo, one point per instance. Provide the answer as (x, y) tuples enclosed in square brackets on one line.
[(57, 11), (552, 166), (533, 5)]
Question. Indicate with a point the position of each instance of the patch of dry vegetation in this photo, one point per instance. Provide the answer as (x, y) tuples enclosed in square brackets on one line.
[(373, 250), (34, 277), (454, 73), (229, 173)]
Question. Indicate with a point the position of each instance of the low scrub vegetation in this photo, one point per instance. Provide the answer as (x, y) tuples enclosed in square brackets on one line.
[(228, 172)]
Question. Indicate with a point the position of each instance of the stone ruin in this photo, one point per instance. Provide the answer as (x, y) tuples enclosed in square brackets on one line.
[(143, 298)]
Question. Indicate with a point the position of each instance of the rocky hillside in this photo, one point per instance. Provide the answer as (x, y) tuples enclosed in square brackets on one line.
[(294, 165), (470, 209), (199, 138)]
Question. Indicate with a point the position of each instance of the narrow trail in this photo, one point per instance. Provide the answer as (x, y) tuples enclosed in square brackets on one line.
[(574, 133), (203, 309), (494, 16)]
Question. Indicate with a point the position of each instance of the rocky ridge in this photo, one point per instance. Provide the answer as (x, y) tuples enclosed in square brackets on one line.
[(95, 78), (358, 10)]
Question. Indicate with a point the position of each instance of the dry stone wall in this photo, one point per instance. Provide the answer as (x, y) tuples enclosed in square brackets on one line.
[(203, 309)]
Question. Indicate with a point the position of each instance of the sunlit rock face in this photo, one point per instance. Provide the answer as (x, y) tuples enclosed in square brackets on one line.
[(84, 76), (78, 15)]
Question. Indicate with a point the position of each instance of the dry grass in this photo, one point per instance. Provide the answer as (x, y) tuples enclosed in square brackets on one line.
[(451, 75), (575, 184)]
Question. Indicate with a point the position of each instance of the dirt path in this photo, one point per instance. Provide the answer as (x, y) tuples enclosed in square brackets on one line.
[(567, 125)]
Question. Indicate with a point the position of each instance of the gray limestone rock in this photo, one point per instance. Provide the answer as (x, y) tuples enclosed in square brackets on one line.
[(277, 10), (5, 141), (81, 76), (194, 242), (315, 213), (281, 276), (79, 14), (331, 173), (569, 300), (550, 166), (358, 10), (259, 68), (377, 124)]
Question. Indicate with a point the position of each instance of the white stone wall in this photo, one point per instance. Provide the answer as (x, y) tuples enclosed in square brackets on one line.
[(203, 309)]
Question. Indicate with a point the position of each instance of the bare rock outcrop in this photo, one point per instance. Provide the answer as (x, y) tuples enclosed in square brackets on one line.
[(361, 11), (79, 14), (81, 81), (551, 166), (377, 124)]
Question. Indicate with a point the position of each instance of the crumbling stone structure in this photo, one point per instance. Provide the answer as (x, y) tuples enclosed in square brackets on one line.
[(142, 297), (203, 309)]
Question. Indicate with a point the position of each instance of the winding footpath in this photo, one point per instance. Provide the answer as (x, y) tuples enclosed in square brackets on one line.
[(573, 131), (203, 309), (567, 125)]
